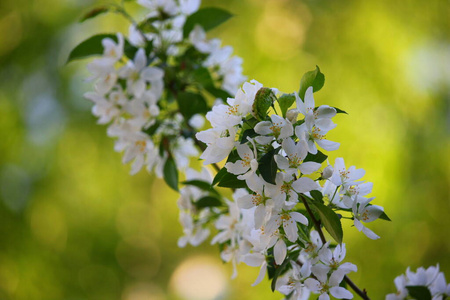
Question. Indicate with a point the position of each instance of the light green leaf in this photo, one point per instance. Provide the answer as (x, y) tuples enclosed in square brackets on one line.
[(171, 173), (286, 101), (312, 78), (208, 18)]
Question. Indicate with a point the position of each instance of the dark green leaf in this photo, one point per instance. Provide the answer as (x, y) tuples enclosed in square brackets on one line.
[(248, 133), (218, 93), (152, 129), (279, 271), (219, 176), (319, 157), (419, 292), (208, 201), (229, 180), (191, 104), (171, 173), (89, 47), (208, 18), (340, 111), (384, 216), (93, 46), (203, 185), (312, 78), (94, 12), (202, 76), (268, 167), (317, 196), (264, 99), (286, 101), (330, 221)]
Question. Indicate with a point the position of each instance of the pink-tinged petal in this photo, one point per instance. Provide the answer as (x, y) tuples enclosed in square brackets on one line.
[(309, 167), (298, 217), (291, 230), (304, 184), (340, 293), (262, 273), (263, 128), (280, 252), (328, 145), (236, 168)]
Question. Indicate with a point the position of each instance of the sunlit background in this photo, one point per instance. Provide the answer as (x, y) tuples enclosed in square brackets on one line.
[(74, 225)]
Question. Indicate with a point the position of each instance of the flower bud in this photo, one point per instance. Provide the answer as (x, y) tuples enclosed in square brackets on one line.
[(327, 172), (291, 115)]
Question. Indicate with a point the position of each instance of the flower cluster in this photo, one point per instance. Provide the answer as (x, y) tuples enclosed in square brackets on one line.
[(422, 284), (151, 86), (273, 158)]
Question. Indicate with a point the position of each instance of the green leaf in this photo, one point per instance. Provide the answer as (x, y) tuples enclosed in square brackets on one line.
[(191, 104), (286, 101), (419, 292), (384, 216), (208, 201), (229, 180), (317, 195), (202, 76), (312, 78), (268, 167), (171, 173), (248, 133), (319, 157), (264, 99), (208, 18), (94, 12), (219, 176), (89, 47), (340, 111), (203, 185), (218, 93), (330, 221), (280, 270), (93, 46)]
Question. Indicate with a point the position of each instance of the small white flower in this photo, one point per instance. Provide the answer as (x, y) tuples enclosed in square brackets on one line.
[(278, 128), (365, 213)]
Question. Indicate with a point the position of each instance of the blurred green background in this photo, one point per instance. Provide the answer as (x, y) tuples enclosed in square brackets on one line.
[(73, 223)]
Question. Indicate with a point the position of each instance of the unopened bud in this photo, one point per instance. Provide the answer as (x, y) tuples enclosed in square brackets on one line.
[(291, 115), (327, 172)]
